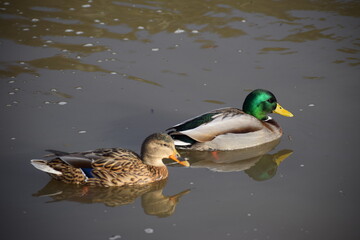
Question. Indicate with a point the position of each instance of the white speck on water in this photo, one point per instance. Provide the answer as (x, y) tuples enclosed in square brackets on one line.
[(114, 237), (140, 27), (78, 57), (116, 19), (155, 49), (239, 51), (53, 90), (113, 73), (125, 39), (97, 20), (71, 9), (302, 165), (11, 81), (47, 102), (311, 105), (255, 229), (251, 194), (301, 109), (177, 31), (8, 105), (6, 3), (79, 88), (26, 29), (243, 20), (149, 230), (35, 20), (249, 214), (86, 5), (12, 139), (64, 50), (88, 45), (48, 41), (69, 30), (82, 131), (191, 183), (62, 103), (99, 61), (11, 93), (195, 31), (79, 32), (21, 63)]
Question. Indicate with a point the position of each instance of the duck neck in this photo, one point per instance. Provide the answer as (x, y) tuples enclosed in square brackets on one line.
[(152, 160)]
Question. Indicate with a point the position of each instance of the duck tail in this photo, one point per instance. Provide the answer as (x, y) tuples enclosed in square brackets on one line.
[(43, 166)]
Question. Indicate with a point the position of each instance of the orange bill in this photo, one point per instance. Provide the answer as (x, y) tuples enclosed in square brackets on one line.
[(282, 111), (176, 157)]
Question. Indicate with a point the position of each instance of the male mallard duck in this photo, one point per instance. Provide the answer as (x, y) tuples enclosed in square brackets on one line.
[(232, 128), (114, 166)]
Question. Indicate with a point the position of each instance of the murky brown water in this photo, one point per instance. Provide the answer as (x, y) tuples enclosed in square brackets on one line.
[(78, 75)]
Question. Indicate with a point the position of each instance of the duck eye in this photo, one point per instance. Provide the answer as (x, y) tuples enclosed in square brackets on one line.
[(271, 100)]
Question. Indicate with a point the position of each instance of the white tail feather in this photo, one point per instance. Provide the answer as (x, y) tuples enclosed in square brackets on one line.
[(42, 166), (181, 143)]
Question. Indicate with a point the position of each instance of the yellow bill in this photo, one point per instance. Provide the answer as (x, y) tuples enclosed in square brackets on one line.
[(282, 111)]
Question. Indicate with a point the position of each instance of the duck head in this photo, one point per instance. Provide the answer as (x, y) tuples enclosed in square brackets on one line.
[(159, 146), (260, 103)]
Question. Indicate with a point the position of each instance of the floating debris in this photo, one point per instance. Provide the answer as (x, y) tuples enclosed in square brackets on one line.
[(69, 30), (79, 32), (86, 5), (114, 237), (88, 45), (12, 139), (140, 27), (177, 31), (113, 73), (311, 105), (149, 230), (62, 103), (82, 131), (302, 165), (195, 31), (155, 49)]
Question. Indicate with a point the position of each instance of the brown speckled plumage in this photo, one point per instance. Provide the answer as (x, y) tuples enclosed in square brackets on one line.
[(113, 166)]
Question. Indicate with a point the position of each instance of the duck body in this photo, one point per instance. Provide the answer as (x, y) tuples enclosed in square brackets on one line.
[(232, 128), (113, 166)]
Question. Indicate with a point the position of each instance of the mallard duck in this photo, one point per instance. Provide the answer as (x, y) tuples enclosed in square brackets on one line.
[(114, 166), (232, 128)]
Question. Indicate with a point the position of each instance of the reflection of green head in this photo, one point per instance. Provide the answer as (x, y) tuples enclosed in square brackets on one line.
[(267, 166), (263, 170), (259, 103)]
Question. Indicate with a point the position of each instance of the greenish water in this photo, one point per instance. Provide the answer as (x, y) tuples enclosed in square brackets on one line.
[(79, 75)]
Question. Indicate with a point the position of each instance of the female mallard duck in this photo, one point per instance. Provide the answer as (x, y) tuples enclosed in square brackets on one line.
[(232, 128), (114, 166)]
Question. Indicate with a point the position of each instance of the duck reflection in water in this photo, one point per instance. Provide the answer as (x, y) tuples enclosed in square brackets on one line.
[(153, 201), (256, 161)]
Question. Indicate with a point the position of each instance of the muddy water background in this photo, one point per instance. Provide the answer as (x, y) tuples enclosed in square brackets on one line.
[(78, 75)]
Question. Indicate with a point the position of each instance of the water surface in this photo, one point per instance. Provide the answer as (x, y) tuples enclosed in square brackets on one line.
[(79, 75)]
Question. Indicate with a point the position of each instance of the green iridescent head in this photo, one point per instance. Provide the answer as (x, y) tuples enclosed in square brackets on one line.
[(261, 102)]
